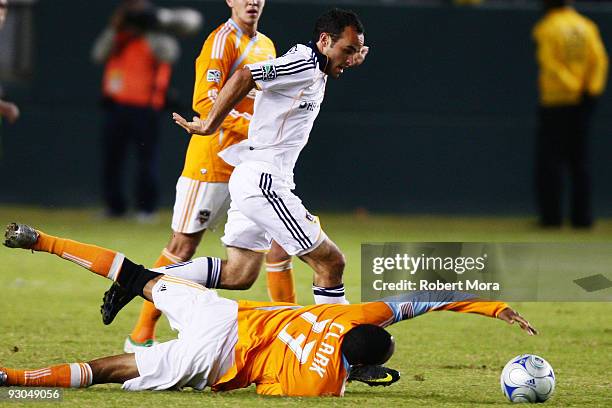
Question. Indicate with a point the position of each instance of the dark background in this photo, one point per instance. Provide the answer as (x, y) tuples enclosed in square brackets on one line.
[(440, 119)]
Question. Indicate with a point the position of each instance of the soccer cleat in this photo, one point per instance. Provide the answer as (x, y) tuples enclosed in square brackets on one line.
[(374, 375), (3, 378), (20, 236), (115, 298), (130, 346)]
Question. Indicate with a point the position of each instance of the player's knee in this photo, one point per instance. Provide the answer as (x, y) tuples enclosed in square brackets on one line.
[(277, 254), (183, 246), (337, 263)]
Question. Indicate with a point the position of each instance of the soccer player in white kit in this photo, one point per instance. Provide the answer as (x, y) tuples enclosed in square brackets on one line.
[(263, 206)]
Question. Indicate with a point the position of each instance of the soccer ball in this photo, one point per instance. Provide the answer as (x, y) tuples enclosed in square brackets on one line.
[(527, 378)]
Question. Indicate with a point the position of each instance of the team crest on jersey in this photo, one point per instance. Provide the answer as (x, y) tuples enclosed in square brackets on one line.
[(213, 75), (203, 216), (269, 72), (310, 217)]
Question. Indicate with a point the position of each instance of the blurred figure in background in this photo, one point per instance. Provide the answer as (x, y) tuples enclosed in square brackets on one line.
[(138, 59), (573, 71), (8, 110)]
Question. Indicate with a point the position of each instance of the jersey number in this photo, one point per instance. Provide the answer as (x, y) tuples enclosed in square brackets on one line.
[(296, 344)]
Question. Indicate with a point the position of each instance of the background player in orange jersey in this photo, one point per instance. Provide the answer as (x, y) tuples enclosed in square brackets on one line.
[(284, 349), (202, 196)]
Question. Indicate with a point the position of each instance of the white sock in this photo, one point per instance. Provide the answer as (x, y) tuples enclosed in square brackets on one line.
[(80, 375), (329, 295), (205, 271)]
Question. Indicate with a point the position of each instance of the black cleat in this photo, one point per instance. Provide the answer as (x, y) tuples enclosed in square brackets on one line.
[(374, 375), (114, 300), (3, 378)]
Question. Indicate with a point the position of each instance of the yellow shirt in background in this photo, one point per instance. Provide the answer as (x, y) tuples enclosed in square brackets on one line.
[(571, 57)]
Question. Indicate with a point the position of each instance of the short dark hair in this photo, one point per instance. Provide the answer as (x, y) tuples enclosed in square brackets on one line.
[(334, 22), (367, 344), (551, 4)]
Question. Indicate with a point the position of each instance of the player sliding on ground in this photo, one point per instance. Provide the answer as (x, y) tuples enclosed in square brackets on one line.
[(284, 349)]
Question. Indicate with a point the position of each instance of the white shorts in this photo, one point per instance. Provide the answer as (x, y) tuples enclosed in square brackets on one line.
[(264, 208), (199, 205), (204, 350)]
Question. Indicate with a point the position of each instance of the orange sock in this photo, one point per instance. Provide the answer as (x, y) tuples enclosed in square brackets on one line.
[(145, 326), (281, 287), (101, 261), (76, 375)]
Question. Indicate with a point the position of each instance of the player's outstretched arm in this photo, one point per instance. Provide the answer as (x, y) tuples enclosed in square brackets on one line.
[(238, 86), (423, 302), (490, 308), (510, 316)]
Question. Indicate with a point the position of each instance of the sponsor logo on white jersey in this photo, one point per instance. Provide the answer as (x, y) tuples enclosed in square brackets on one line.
[(309, 105)]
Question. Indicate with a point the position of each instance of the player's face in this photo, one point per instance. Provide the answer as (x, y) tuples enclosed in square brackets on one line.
[(3, 11), (341, 52), (246, 12)]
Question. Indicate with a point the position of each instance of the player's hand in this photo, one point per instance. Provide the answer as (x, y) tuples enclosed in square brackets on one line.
[(360, 56), (10, 111), (510, 316), (197, 127)]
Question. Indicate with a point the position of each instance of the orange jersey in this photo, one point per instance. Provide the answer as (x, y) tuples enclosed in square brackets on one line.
[(296, 351), (225, 51), (293, 350), (133, 76)]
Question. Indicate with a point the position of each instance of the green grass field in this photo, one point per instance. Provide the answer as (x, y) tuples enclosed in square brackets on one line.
[(49, 313)]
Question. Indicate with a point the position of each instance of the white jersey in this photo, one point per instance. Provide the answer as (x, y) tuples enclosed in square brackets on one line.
[(292, 90)]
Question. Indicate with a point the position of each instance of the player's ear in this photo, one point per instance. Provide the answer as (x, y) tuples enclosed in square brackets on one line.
[(230, 3), (325, 40)]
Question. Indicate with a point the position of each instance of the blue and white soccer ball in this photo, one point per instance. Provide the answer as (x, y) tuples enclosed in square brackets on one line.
[(528, 378)]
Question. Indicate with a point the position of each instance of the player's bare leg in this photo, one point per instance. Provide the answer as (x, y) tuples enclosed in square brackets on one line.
[(241, 268), (328, 262), (183, 246), (106, 370), (279, 269), (116, 369), (180, 248)]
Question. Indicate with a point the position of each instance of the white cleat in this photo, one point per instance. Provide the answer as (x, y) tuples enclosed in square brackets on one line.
[(130, 346)]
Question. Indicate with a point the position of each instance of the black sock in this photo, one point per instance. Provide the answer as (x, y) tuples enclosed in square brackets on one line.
[(134, 277)]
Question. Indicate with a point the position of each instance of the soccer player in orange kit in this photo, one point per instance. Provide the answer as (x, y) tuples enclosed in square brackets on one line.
[(283, 348)]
